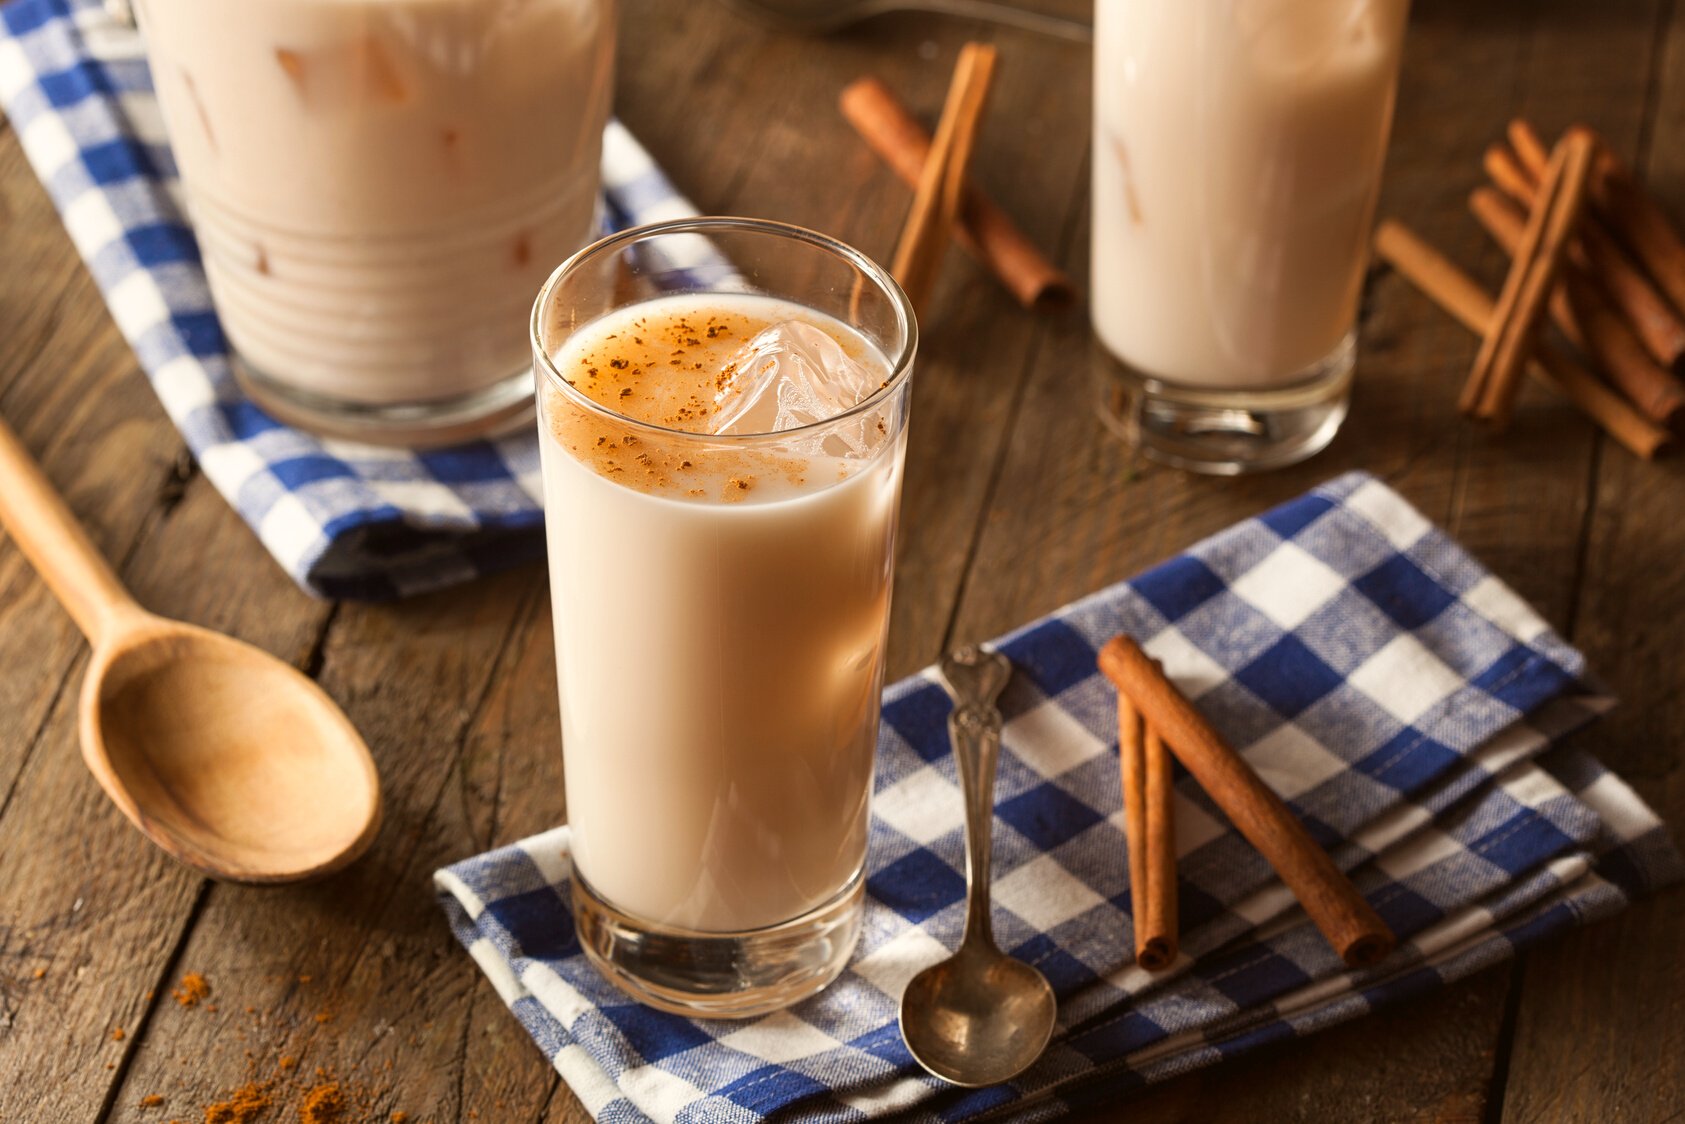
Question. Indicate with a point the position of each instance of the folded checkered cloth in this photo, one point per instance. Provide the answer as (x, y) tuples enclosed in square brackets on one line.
[(344, 519), (1403, 700)]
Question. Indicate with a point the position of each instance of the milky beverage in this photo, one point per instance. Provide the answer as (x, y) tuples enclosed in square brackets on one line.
[(720, 605), (1238, 150), (379, 186)]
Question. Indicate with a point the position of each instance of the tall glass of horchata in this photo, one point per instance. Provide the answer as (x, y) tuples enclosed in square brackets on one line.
[(722, 417), (1238, 147)]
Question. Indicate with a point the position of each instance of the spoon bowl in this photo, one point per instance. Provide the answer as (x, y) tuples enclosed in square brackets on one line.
[(983, 1017), (229, 759)]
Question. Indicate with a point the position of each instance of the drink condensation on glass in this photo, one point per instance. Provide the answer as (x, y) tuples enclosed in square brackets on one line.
[(722, 417), (1238, 152), (378, 188)]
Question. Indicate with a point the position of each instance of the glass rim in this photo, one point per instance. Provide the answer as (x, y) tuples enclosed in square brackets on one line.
[(900, 367)]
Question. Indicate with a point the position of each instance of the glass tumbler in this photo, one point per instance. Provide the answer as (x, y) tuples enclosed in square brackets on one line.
[(378, 187), (1238, 147), (721, 602)]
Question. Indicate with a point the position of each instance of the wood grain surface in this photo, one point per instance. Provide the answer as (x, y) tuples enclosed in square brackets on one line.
[(1017, 501)]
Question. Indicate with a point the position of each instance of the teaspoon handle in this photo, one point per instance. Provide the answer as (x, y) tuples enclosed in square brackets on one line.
[(49, 536), (975, 733)]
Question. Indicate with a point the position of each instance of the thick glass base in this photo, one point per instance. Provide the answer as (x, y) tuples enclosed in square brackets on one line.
[(1226, 432), (498, 408), (720, 975)]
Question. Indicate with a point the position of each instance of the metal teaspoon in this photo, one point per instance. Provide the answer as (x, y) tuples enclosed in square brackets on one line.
[(979, 1017)]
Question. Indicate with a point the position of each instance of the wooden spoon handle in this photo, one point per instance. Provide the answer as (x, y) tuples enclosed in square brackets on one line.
[(54, 542)]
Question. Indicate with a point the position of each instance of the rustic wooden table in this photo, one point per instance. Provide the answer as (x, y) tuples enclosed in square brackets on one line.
[(1016, 502)]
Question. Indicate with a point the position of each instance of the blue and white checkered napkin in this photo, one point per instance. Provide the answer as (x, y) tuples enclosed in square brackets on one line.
[(344, 519), (1399, 696)]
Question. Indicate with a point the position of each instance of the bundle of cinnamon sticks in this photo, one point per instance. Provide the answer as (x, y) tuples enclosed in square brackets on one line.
[(1592, 251), (1153, 718), (944, 205)]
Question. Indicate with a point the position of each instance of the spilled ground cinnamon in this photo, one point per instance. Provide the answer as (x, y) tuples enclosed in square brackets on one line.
[(325, 1104), (243, 1106), (272, 1096), (193, 990)]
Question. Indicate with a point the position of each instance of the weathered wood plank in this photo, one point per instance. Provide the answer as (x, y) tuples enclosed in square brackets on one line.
[(87, 899), (1600, 1030), (509, 786), (86, 902), (356, 973), (66, 386), (1422, 1063)]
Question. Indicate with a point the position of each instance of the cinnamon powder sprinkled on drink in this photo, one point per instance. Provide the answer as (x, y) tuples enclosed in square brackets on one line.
[(668, 374)]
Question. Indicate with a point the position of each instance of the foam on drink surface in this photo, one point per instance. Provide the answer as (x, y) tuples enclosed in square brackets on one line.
[(707, 365)]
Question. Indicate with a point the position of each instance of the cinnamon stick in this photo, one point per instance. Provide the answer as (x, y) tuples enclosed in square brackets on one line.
[(1504, 168), (1586, 317), (1631, 212), (1600, 256), (936, 203), (1132, 764), (1148, 825), (1492, 383), (1528, 146), (1348, 922), (1458, 293), (1159, 951), (984, 231)]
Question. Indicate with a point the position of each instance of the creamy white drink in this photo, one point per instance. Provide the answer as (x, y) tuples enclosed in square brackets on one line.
[(720, 603), (379, 186), (1238, 147)]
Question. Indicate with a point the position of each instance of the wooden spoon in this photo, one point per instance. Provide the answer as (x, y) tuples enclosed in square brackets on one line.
[(226, 757)]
